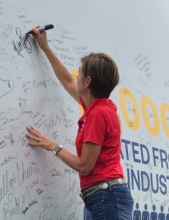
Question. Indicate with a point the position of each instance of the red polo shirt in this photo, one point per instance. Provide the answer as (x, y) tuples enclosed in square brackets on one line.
[(100, 125)]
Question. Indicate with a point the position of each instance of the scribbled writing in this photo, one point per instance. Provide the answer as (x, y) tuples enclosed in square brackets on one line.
[(22, 44)]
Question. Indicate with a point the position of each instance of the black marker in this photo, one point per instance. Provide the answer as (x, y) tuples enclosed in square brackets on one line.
[(46, 27)]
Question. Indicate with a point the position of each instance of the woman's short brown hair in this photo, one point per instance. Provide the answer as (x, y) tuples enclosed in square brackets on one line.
[(103, 72)]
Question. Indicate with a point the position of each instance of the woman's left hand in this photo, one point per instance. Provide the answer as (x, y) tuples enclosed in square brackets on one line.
[(39, 139)]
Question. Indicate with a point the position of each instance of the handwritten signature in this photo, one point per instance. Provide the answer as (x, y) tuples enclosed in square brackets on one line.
[(23, 43)]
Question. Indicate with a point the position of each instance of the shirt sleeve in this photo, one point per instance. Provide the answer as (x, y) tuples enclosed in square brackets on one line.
[(95, 128)]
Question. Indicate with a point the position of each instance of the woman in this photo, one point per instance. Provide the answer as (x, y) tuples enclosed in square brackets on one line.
[(103, 187)]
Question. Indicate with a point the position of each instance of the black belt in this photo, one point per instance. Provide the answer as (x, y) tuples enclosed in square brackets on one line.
[(103, 185)]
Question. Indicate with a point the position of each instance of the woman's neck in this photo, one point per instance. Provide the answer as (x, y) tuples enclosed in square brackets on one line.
[(88, 100)]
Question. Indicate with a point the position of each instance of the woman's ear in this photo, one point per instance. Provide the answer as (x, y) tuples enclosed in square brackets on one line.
[(88, 81)]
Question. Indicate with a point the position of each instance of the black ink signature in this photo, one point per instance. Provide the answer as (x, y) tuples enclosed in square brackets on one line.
[(6, 117), (8, 159), (18, 205), (23, 43), (7, 188)]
